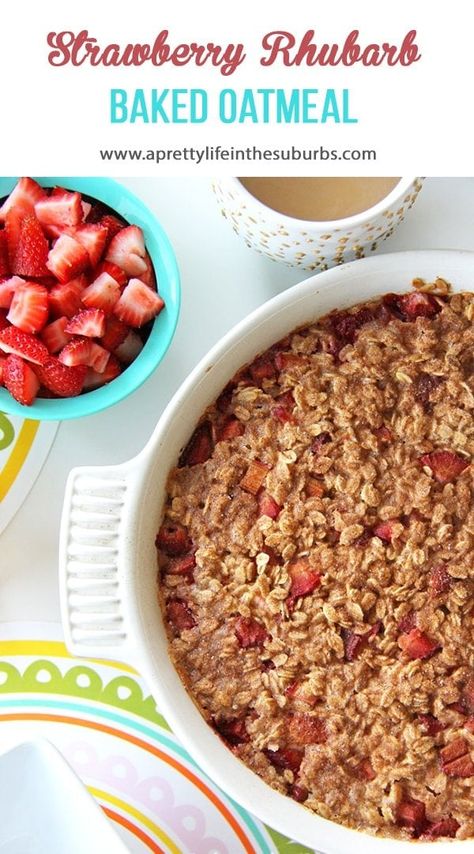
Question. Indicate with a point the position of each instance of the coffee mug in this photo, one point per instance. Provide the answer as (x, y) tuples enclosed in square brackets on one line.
[(307, 244)]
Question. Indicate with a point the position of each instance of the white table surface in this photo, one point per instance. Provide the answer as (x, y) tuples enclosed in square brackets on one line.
[(222, 281)]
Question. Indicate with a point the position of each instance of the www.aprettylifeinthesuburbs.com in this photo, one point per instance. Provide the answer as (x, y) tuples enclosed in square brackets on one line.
[(217, 153)]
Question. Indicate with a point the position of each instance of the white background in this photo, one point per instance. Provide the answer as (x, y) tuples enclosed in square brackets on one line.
[(418, 118), (222, 281)]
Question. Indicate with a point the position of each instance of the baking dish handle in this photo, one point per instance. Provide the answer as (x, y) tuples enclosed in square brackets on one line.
[(94, 587)]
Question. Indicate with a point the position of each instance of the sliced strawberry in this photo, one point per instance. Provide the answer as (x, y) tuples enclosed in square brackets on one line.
[(431, 725), (86, 209), (138, 304), (149, 275), (129, 349), (173, 539), (4, 324), (119, 275), (314, 488), (285, 758), (199, 448), (305, 729), (416, 644), (365, 771), (304, 579), (127, 250), (5, 269), (103, 293), (13, 340), (29, 307), (179, 615), (65, 299), (20, 380), (181, 565), (261, 369), (440, 580), (112, 224), (444, 827), (115, 333), (7, 289), (13, 223), (267, 506), (94, 379), (32, 249), (60, 210), (3, 359), (67, 259), (229, 428), (60, 379), (412, 815), (54, 335), (98, 357), (233, 731), (254, 477), (417, 304), (323, 439), (445, 465), (76, 352), (22, 198), (93, 237), (250, 632), (384, 530), (89, 322)]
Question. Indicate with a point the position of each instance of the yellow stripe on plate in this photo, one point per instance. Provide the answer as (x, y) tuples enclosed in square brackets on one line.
[(143, 819), (20, 451), (55, 649)]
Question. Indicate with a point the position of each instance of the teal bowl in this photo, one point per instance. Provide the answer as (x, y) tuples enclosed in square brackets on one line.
[(128, 206)]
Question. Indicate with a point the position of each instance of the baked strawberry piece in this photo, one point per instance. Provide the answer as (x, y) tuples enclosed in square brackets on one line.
[(445, 465)]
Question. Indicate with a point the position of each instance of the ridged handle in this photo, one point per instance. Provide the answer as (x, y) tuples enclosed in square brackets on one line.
[(92, 568)]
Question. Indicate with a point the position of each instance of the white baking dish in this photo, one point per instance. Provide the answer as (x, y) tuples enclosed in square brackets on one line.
[(111, 515)]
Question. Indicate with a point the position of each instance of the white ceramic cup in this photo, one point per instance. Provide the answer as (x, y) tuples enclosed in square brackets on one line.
[(308, 244)]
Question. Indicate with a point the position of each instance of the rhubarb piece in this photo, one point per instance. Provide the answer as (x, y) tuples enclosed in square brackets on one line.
[(365, 771), (444, 827), (456, 748), (181, 565), (412, 815), (314, 488), (469, 724), (29, 307), (180, 615), (298, 793), (304, 579), (407, 623), (304, 728), (440, 580), (234, 731), (285, 361), (254, 477), (285, 758), (261, 369), (461, 767), (445, 465), (250, 632), (430, 725), (319, 441), (13, 340), (267, 506), (199, 448), (384, 434), (385, 530), (416, 644), (173, 539), (20, 380), (423, 385), (353, 644), (229, 428)]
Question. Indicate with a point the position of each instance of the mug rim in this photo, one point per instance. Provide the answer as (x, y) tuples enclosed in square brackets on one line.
[(401, 187)]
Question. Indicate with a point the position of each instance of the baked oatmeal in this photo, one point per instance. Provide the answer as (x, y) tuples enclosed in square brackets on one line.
[(317, 563)]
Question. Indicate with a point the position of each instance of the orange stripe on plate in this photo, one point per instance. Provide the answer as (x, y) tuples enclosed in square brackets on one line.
[(170, 760), (137, 831)]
